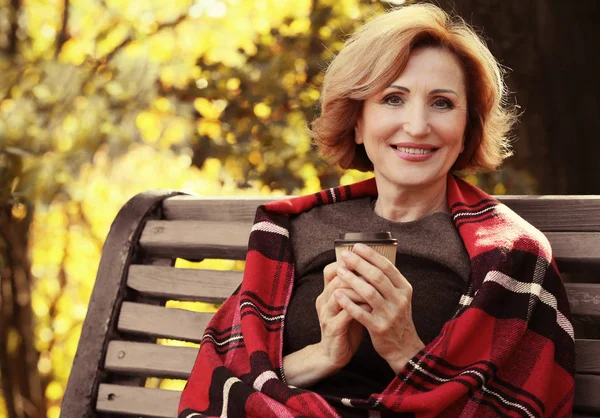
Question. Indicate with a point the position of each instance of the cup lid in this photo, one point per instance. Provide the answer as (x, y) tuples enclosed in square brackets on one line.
[(366, 237)]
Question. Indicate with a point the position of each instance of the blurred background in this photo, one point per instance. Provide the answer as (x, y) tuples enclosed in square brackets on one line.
[(102, 99)]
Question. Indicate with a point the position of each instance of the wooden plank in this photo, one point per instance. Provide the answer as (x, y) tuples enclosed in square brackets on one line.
[(159, 403), (109, 289), (584, 298), (137, 401), (200, 239), (214, 286), (558, 212), (575, 247), (587, 358), (196, 240), (158, 321), (215, 208), (202, 285), (156, 360), (547, 213), (587, 390), (151, 360)]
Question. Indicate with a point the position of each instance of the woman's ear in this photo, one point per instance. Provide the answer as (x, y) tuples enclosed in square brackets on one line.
[(358, 133)]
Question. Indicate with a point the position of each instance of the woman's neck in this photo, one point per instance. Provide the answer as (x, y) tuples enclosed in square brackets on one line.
[(410, 204)]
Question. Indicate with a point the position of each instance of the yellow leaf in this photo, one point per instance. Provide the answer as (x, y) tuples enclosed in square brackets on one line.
[(255, 158), (208, 109), (233, 83), (499, 189), (262, 110), (149, 125), (19, 211), (471, 178), (54, 391)]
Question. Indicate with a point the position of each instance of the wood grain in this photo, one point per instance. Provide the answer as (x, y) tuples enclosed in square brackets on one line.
[(587, 390), (158, 321), (156, 360), (229, 240), (196, 240), (147, 402), (152, 360), (167, 283), (160, 403), (587, 356), (584, 299), (547, 213)]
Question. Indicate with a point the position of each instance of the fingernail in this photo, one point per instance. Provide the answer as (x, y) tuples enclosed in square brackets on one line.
[(345, 254), (360, 247), (341, 271)]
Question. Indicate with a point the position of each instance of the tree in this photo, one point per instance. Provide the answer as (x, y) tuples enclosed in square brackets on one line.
[(547, 45), (87, 82)]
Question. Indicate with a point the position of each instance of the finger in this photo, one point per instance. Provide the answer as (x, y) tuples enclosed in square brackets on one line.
[(335, 283), (355, 311), (330, 308), (371, 265), (329, 272), (366, 290)]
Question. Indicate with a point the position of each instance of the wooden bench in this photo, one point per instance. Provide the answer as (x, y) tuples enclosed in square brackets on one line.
[(118, 348)]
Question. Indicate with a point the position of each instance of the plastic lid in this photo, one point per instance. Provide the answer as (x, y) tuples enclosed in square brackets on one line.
[(366, 237)]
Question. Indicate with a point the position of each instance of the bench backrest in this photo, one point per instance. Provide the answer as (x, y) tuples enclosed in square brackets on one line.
[(118, 348)]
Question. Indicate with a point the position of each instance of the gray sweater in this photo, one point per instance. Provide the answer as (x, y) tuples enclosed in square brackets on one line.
[(430, 255)]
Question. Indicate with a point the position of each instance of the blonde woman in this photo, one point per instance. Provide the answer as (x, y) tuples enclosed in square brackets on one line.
[(472, 320)]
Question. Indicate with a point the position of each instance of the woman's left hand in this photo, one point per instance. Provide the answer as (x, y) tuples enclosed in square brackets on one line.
[(389, 295)]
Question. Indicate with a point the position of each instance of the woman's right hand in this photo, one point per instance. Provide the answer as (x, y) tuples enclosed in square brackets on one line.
[(340, 333), (340, 337)]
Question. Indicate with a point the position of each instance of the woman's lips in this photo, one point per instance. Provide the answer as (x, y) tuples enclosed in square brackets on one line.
[(416, 154)]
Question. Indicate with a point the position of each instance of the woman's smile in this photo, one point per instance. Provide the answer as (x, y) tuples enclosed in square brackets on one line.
[(413, 152)]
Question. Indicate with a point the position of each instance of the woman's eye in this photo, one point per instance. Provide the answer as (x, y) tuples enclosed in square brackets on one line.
[(393, 99), (443, 104)]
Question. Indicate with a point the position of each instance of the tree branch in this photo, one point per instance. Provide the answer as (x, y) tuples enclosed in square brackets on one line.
[(127, 41), (14, 27), (62, 35)]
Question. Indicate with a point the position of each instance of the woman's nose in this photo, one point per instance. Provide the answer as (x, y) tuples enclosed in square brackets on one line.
[(416, 123)]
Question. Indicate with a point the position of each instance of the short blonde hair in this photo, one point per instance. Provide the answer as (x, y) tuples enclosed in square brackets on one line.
[(377, 54)]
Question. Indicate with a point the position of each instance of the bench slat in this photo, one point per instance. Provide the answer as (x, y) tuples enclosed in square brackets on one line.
[(547, 213), (156, 360), (129, 400), (587, 388), (196, 240), (584, 298), (587, 356), (201, 239), (219, 209), (215, 286), (160, 403), (152, 360), (169, 283), (157, 321)]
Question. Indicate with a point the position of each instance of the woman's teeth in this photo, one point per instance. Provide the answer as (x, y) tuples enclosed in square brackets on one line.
[(414, 150)]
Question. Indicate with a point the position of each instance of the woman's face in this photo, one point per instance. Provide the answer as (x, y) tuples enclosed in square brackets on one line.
[(413, 131)]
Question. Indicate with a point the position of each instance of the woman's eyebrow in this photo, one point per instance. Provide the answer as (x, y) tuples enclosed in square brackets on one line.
[(435, 91), (400, 87)]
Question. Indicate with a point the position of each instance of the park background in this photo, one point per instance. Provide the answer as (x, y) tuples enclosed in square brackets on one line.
[(102, 99)]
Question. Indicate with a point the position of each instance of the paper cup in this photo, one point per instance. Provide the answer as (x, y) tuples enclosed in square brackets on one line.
[(382, 242)]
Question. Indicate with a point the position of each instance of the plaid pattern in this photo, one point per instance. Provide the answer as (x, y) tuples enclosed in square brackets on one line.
[(508, 351)]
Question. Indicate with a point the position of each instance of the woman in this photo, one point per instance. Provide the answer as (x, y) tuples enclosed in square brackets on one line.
[(473, 318)]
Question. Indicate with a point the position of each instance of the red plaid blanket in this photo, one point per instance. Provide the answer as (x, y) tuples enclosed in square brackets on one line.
[(508, 351)]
